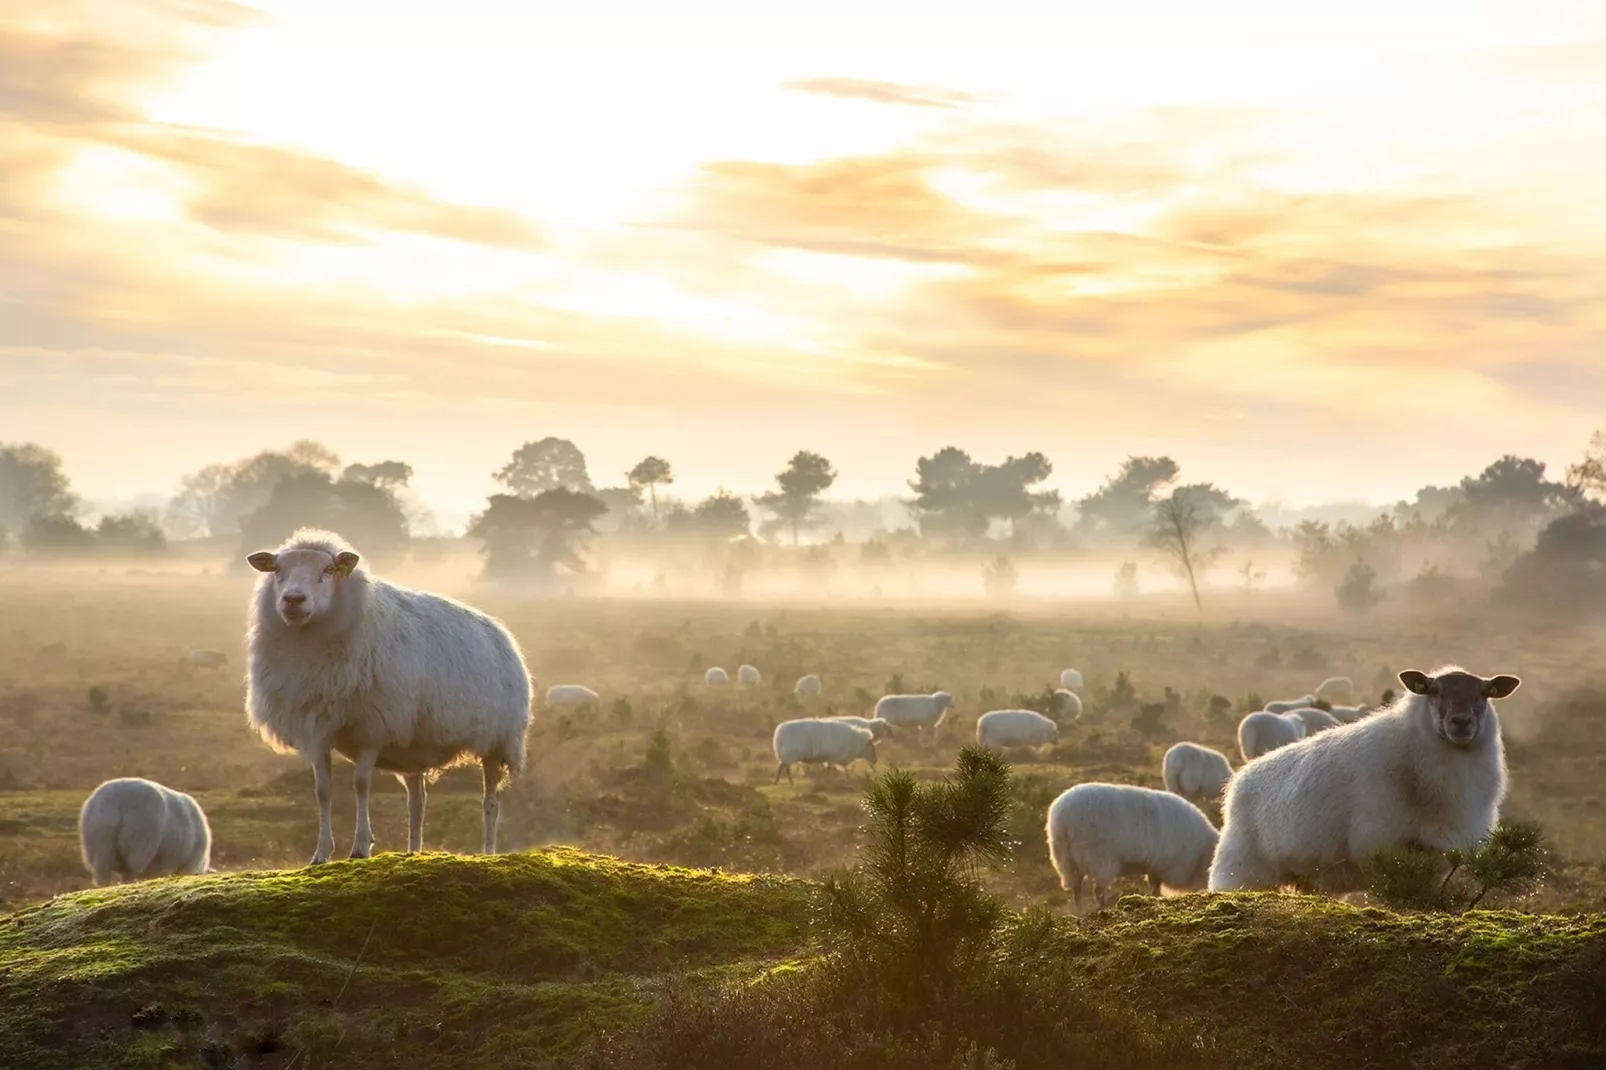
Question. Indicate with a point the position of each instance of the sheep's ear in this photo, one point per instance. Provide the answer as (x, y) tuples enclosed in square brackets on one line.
[(263, 561), (1500, 686), (1415, 682), (345, 561)]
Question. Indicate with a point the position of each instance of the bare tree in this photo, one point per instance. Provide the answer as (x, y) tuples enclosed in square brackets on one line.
[(1178, 528)]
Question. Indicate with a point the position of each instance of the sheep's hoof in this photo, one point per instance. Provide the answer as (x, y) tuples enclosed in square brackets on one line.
[(318, 859), (359, 854)]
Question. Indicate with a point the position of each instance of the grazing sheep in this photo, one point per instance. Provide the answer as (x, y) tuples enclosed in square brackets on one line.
[(206, 659), (1335, 688), (391, 678), (1072, 679), (1350, 714), (807, 686), (1015, 728), (571, 695), (1195, 772), (1105, 831), (1430, 771), (811, 740), (1068, 703), (879, 729), (716, 677), (135, 829), (1262, 732), (748, 676), (1284, 705), (920, 711), (1316, 720)]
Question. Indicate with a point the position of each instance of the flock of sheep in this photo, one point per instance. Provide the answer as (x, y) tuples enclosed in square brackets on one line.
[(405, 682)]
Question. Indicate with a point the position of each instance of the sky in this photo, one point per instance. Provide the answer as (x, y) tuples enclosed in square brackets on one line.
[(1312, 253)]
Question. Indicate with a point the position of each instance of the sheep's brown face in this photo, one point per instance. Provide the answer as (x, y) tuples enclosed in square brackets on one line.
[(1458, 701), (305, 582)]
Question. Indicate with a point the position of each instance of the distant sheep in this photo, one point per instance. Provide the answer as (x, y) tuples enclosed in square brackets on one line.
[(918, 711), (1068, 704), (716, 677), (807, 686), (392, 678), (1263, 732), (1316, 720), (1015, 728), (205, 659), (1429, 771), (1072, 679), (811, 740), (748, 676), (134, 829), (1195, 772), (1335, 689), (1350, 714), (1284, 705), (1105, 831), (571, 695), (879, 729)]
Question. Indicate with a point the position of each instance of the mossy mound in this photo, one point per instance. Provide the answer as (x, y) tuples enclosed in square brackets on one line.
[(463, 960)]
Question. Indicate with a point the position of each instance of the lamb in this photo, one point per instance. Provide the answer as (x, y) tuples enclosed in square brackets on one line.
[(391, 678), (1316, 720), (1262, 732), (1429, 771), (1335, 687), (1068, 703), (135, 829), (1195, 772), (807, 686), (1284, 705), (748, 676), (1015, 728), (920, 711), (1072, 679), (571, 695), (205, 659), (811, 740), (716, 677), (879, 729), (1106, 830)]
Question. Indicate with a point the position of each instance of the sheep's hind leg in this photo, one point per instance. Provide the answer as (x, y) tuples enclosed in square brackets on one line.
[(323, 787), (362, 842), (493, 769), (414, 783)]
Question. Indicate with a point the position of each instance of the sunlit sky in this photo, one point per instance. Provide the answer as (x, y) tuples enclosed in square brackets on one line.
[(1312, 253)]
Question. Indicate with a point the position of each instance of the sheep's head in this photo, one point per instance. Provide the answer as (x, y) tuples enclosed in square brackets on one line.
[(305, 580), (1458, 702), (944, 700), (867, 749)]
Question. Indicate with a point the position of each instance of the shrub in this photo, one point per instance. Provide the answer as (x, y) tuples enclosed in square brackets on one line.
[(100, 703), (1508, 862), (1357, 592)]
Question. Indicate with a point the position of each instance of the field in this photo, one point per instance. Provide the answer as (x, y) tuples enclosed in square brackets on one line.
[(91, 686)]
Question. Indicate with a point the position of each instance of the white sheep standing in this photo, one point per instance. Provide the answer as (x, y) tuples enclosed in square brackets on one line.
[(205, 659), (1194, 771), (1315, 719), (1287, 704), (393, 679), (807, 686), (1428, 771), (571, 695), (820, 740), (918, 711), (716, 677), (879, 729), (1072, 679), (1105, 831), (748, 676), (1015, 728), (1335, 689), (1350, 714), (1262, 732), (134, 828), (1068, 703)]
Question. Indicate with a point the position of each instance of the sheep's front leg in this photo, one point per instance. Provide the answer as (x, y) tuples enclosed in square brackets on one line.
[(414, 783), (323, 786), (362, 843), (493, 771)]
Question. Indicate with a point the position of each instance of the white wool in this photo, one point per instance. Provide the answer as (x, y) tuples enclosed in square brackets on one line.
[(1194, 771), (921, 711), (807, 685), (748, 676), (1262, 732), (716, 677), (1072, 679), (570, 695), (1284, 705), (1069, 704), (878, 728), (134, 829), (828, 741), (1318, 810), (1335, 687), (1350, 714), (1316, 719), (1015, 728), (1105, 831)]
